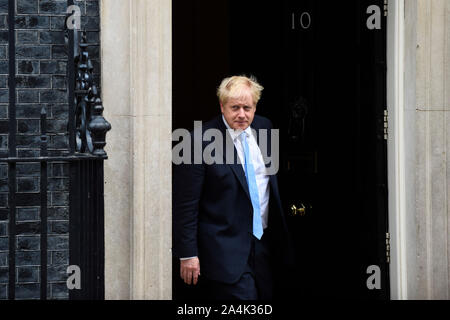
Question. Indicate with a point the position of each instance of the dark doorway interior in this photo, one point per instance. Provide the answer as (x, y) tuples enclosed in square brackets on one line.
[(324, 76)]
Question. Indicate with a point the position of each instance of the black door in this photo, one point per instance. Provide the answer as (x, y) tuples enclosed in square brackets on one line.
[(324, 75)]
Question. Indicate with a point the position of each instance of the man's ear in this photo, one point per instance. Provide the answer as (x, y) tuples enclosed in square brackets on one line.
[(221, 107)]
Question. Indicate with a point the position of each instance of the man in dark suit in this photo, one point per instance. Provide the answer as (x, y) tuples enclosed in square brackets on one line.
[(229, 230)]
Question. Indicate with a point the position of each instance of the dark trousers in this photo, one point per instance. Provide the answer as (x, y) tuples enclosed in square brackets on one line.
[(256, 283)]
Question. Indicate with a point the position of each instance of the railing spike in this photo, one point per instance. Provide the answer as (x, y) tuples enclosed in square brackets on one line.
[(90, 125)]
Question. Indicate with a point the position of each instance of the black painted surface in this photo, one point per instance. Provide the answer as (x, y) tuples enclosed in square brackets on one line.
[(40, 78)]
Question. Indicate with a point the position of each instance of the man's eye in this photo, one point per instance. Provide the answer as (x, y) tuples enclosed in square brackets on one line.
[(247, 108), (235, 107)]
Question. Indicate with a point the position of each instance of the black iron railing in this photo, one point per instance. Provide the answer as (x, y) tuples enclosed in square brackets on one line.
[(87, 131)]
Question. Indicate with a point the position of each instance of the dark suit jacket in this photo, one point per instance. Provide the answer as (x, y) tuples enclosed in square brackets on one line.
[(212, 213)]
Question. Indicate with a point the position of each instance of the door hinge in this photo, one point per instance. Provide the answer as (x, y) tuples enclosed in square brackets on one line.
[(388, 247), (385, 8), (386, 124)]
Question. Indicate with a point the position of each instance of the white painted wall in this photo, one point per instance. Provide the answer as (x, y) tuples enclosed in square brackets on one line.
[(137, 94), (418, 88)]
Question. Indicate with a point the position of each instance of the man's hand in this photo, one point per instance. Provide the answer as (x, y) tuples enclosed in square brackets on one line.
[(190, 270)]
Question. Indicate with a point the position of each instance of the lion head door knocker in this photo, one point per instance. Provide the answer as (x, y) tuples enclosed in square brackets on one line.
[(297, 115)]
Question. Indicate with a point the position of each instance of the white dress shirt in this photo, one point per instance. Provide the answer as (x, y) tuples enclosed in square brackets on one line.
[(262, 179)]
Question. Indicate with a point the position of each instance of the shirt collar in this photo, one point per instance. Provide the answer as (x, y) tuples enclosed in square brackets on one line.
[(236, 132)]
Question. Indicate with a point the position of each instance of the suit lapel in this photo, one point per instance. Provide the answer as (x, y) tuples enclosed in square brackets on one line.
[(235, 166), (272, 178), (256, 125)]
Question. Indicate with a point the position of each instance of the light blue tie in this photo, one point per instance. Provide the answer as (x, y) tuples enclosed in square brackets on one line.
[(253, 188)]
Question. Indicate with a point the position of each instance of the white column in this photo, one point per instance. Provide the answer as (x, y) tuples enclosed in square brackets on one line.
[(136, 89), (397, 171), (418, 97)]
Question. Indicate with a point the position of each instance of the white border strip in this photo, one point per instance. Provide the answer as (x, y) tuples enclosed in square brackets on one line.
[(396, 152)]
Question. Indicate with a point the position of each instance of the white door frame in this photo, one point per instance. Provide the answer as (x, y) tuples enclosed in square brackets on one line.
[(397, 168)]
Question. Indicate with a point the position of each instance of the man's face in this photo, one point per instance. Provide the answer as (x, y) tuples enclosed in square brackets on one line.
[(239, 112)]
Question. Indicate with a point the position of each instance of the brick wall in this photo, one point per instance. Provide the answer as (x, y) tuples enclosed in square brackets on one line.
[(41, 64)]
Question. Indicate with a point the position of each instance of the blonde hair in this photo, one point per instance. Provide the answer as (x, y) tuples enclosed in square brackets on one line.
[(233, 87)]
